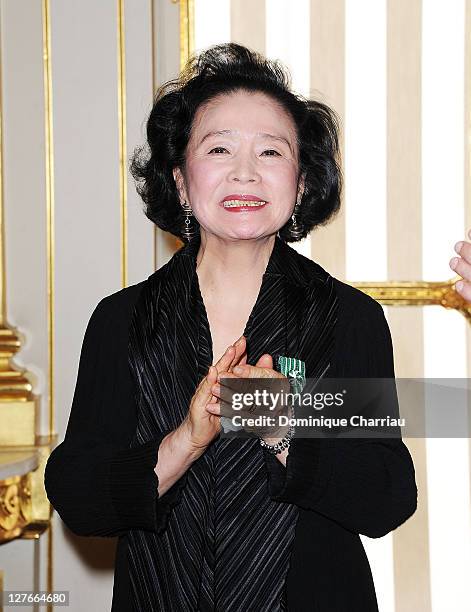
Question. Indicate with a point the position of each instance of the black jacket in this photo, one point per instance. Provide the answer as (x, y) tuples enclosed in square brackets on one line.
[(102, 487)]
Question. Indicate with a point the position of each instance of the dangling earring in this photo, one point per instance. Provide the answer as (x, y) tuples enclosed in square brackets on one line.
[(188, 232), (296, 229)]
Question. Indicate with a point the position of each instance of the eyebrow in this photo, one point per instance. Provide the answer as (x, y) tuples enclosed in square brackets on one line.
[(264, 134)]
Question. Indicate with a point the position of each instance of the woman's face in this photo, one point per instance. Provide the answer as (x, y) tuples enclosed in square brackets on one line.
[(241, 171)]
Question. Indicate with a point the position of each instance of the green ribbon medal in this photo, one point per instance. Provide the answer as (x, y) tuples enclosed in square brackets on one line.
[(295, 370)]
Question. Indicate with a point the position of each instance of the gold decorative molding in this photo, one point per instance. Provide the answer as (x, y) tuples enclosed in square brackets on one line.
[(49, 177), (187, 29), (418, 293), (14, 458), (16, 384), (154, 89), (50, 208), (187, 47), (18, 422), (15, 506), (41, 508)]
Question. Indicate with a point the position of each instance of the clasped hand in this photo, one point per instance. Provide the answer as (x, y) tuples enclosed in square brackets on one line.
[(203, 420)]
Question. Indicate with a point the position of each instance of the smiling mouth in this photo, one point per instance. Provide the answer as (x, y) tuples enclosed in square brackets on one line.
[(243, 203)]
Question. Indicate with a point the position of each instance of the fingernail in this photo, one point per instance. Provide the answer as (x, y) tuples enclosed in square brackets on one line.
[(454, 263), (459, 285), (238, 342), (458, 246), (238, 370)]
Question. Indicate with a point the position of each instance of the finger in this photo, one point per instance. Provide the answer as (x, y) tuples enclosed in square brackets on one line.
[(265, 361), (232, 355), (230, 383), (203, 392), (214, 408), (237, 360), (461, 267), (464, 250), (224, 379), (218, 389), (250, 371), (240, 349), (226, 359), (464, 289)]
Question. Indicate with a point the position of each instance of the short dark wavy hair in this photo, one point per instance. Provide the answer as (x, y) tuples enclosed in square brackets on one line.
[(223, 69)]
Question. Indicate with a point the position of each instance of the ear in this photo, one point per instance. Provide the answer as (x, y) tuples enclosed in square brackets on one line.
[(180, 183)]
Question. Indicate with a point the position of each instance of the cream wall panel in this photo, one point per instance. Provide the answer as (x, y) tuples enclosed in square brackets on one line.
[(365, 139), (287, 40), (17, 563), (166, 41), (24, 564), (87, 215), (327, 84), (166, 66), (404, 202), (24, 186), (248, 23), (138, 48), (212, 22), (404, 131)]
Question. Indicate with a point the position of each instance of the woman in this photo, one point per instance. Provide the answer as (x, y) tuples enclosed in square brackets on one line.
[(237, 166)]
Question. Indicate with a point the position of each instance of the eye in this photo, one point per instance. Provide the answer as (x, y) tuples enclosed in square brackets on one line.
[(270, 152), (218, 149)]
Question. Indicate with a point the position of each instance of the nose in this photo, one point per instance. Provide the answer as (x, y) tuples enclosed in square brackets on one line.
[(244, 170)]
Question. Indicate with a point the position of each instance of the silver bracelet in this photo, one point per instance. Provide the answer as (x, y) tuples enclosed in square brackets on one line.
[(284, 443), (280, 446)]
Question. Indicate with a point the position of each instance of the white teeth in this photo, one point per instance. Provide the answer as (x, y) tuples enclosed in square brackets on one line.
[(236, 203)]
